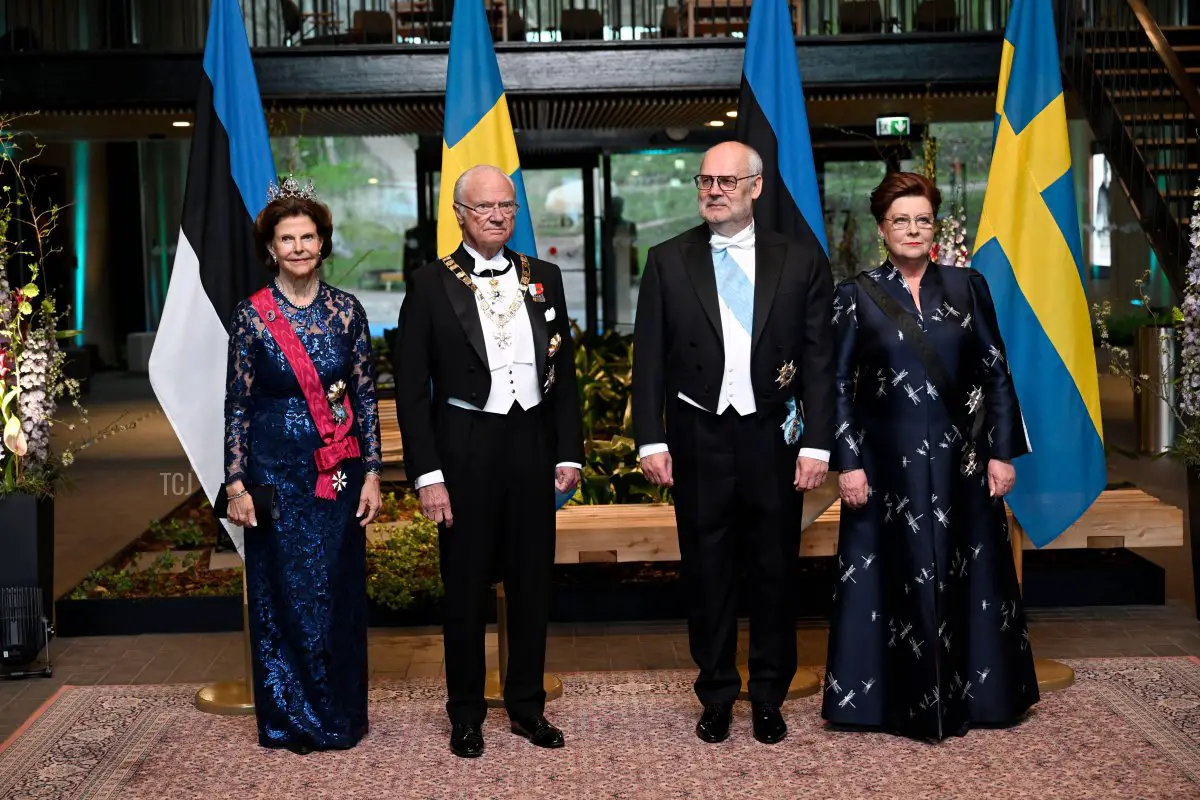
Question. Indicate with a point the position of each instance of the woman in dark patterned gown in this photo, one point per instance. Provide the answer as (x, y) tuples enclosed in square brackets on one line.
[(928, 635), (300, 401)]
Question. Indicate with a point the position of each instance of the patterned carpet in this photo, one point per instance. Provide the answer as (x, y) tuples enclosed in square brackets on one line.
[(1129, 727)]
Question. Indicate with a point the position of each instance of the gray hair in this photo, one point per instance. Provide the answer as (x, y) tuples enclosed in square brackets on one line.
[(460, 184), (755, 161)]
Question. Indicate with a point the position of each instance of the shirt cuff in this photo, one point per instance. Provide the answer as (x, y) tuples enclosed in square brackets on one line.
[(651, 449), (808, 452), (428, 479), (570, 464)]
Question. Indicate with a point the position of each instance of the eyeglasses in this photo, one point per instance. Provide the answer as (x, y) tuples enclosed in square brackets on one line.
[(507, 208), (902, 223), (727, 183)]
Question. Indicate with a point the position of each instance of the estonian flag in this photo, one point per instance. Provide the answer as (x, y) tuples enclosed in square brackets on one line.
[(772, 120), (229, 172)]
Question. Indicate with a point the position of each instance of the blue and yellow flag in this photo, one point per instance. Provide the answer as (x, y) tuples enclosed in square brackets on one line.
[(477, 129), (1028, 248)]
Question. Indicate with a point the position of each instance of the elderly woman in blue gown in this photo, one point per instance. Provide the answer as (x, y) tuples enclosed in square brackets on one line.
[(301, 417), (928, 635)]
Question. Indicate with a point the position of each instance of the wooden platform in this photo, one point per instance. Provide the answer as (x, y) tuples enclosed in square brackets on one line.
[(389, 430), (1118, 518)]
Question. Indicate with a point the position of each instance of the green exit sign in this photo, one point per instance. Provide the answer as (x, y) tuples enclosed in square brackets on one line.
[(891, 126)]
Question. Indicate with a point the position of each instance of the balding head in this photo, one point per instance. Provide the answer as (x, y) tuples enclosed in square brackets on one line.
[(485, 207), (729, 210), (729, 158), (462, 185)]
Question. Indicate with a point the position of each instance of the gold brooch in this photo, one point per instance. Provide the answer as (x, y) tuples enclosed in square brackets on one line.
[(555, 343)]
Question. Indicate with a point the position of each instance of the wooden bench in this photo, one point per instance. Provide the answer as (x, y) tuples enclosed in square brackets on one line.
[(1118, 518)]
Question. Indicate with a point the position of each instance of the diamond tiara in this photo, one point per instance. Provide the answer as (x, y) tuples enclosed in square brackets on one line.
[(290, 187)]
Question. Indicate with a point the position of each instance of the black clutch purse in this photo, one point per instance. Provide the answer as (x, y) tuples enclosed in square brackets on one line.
[(263, 497)]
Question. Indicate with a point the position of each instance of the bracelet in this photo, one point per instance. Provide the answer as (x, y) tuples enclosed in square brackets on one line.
[(374, 472), (242, 493)]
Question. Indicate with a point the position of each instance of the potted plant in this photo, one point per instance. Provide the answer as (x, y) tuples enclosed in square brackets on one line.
[(31, 377), (1181, 394)]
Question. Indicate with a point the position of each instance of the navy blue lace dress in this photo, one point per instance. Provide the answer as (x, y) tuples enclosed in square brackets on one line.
[(306, 572)]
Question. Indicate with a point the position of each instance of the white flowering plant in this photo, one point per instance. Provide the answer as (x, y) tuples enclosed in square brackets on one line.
[(31, 361), (950, 246), (1185, 318)]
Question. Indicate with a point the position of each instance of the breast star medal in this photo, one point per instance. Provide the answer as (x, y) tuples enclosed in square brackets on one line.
[(786, 373), (334, 396), (549, 379), (339, 481)]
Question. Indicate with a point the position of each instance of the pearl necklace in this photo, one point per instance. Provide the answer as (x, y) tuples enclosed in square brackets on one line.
[(292, 302)]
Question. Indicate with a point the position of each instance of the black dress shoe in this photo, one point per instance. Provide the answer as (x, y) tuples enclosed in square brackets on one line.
[(466, 741), (713, 726), (769, 726), (538, 731)]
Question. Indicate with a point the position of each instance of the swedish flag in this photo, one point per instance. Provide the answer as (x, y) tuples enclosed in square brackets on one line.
[(477, 126), (1028, 248)]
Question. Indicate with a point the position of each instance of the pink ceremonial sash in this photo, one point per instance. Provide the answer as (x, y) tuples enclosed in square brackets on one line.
[(338, 446)]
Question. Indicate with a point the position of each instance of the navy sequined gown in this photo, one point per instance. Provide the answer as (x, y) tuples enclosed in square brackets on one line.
[(306, 572)]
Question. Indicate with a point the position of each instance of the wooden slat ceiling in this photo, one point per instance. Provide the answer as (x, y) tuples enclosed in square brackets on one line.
[(549, 113)]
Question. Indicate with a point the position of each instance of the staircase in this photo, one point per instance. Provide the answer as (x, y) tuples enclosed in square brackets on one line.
[(1137, 84)]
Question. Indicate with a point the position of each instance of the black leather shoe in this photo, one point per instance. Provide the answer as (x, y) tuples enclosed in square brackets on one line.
[(538, 731), (769, 726), (713, 726), (466, 741)]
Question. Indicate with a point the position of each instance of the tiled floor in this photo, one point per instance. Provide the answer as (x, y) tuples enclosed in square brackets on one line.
[(395, 654)]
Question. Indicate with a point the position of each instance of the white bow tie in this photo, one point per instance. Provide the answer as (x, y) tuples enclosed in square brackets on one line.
[(718, 242), (497, 261)]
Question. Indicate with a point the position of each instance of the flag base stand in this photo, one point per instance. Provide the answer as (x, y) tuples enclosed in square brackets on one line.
[(1052, 675), (236, 697), (493, 687), (804, 683)]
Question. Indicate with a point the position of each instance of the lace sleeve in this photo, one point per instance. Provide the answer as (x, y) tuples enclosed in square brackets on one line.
[(238, 393), (363, 387)]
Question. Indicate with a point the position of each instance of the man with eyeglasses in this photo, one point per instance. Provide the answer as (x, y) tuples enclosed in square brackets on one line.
[(490, 418), (733, 406)]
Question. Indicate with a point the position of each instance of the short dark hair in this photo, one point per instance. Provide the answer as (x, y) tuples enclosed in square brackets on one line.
[(285, 208), (903, 184)]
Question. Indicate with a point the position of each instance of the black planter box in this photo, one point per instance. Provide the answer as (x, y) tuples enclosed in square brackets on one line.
[(27, 533), (128, 617), (1109, 577), (640, 592)]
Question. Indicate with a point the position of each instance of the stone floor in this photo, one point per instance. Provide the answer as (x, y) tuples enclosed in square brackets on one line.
[(123, 482)]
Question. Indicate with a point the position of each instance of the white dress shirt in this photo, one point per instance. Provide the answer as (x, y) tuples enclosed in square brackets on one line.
[(513, 368), (737, 388)]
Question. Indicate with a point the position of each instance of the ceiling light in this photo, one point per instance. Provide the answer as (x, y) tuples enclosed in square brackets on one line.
[(731, 114), (181, 123), (372, 181), (715, 123)]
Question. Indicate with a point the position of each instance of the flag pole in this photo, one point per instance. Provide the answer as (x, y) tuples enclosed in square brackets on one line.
[(236, 697), (493, 688), (1051, 675)]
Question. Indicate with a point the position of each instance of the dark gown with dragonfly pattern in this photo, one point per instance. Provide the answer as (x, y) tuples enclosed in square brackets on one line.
[(306, 572), (928, 634)]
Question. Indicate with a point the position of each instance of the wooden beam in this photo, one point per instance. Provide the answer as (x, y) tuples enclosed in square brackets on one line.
[(316, 76)]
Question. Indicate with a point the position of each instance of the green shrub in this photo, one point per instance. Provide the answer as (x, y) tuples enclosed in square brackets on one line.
[(404, 568)]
